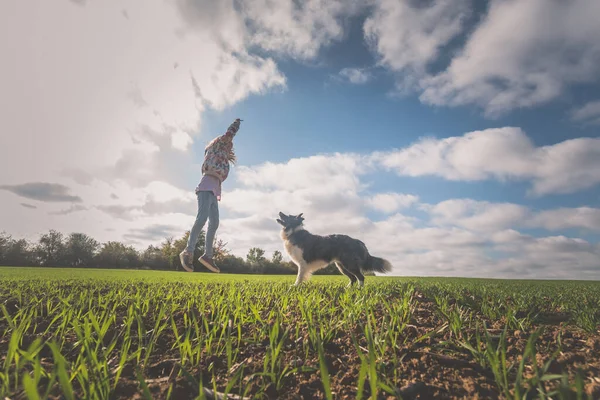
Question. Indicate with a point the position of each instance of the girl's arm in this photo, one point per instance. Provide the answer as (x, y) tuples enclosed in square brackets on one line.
[(227, 137), (233, 128)]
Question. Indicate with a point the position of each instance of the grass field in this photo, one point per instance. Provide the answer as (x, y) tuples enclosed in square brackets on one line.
[(97, 334)]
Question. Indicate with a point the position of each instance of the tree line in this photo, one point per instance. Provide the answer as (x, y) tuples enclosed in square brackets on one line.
[(54, 249)]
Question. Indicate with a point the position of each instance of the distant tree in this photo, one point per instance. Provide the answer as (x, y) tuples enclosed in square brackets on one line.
[(271, 268), (171, 249), (167, 250), (220, 250), (80, 250), (5, 243), (331, 269), (20, 253), (181, 243), (117, 255), (15, 253), (51, 249), (234, 265), (154, 258), (277, 257), (256, 255), (5, 239), (237, 265)]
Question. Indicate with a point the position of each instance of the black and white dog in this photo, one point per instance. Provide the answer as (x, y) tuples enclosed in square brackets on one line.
[(313, 252)]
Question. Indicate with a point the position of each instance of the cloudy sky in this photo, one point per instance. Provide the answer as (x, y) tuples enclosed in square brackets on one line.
[(454, 137)]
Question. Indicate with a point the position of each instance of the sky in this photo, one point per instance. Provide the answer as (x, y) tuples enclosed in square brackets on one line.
[(453, 137)]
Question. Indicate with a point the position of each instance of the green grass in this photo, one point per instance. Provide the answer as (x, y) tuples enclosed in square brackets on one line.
[(90, 333)]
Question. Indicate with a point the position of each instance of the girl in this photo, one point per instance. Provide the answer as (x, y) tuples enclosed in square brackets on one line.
[(215, 169)]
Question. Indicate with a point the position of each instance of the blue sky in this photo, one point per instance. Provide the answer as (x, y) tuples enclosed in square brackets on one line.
[(453, 137)]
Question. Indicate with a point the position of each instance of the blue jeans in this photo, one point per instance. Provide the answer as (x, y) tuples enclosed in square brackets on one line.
[(208, 208)]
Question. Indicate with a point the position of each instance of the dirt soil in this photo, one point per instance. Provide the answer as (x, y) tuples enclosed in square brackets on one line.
[(433, 368)]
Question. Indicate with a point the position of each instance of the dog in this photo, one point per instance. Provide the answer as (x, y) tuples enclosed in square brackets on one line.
[(313, 252)]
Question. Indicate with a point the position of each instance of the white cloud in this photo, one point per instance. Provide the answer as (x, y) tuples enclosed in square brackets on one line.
[(285, 27), (589, 113), (457, 237), (501, 153), (408, 36), (451, 251), (357, 76), (522, 54), (331, 172), (72, 106), (326, 188), (111, 103), (477, 215), (484, 216), (391, 202), (219, 20), (556, 257), (519, 55), (454, 251), (565, 218), (42, 191), (297, 29)]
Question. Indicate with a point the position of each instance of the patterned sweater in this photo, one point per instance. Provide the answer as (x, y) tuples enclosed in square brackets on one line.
[(219, 152)]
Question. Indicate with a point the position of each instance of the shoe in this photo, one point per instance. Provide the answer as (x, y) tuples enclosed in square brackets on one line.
[(186, 261), (208, 263)]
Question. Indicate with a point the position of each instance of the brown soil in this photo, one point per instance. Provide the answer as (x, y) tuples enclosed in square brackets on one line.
[(434, 368)]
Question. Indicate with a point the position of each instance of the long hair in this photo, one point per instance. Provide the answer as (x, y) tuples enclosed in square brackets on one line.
[(231, 156)]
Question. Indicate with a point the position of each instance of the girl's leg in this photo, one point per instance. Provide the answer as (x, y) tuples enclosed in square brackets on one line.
[(203, 210), (213, 225)]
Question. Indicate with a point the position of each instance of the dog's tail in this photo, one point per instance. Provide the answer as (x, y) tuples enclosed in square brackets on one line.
[(377, 264)]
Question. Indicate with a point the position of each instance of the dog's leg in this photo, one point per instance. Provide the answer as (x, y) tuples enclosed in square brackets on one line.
[(361, 278), (344, 271), (303, 274), (352, 266)]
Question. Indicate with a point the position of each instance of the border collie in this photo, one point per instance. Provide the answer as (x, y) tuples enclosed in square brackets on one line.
[(313, 252)]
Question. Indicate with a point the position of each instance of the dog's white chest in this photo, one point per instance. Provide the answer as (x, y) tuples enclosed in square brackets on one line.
[(293, 251)]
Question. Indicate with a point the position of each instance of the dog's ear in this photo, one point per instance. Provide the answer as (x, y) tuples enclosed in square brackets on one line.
[(280, 222), (282, 215), (300, 216)]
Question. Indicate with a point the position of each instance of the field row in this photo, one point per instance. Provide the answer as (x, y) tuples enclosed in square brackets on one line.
[(115, 334)]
